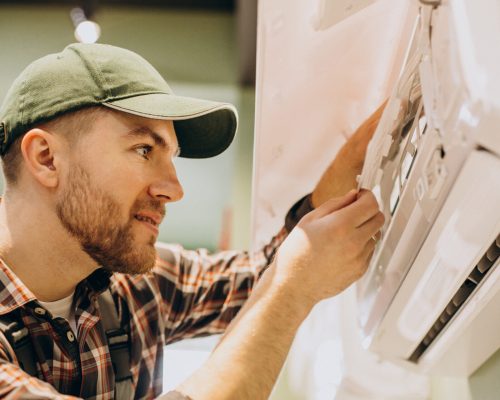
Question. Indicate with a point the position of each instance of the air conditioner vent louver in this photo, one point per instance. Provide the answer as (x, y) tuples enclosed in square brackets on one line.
[(483, 267)]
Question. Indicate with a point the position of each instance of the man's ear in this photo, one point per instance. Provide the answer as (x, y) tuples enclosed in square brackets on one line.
[(39, 150)]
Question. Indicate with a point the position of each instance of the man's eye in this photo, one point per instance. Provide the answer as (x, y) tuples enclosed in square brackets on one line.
[(144, 150)]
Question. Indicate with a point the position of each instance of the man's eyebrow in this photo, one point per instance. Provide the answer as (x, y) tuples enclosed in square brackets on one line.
[(144, 131)]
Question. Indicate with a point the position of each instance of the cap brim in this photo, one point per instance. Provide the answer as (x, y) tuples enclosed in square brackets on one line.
[(203, 128)]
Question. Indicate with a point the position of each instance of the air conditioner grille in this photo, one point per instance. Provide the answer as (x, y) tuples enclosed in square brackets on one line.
[(467, 288)]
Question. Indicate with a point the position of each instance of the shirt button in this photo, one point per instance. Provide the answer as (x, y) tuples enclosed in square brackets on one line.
[(40, 311), (70, 336)]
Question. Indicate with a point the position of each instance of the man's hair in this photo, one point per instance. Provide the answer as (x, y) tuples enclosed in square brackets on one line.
[(72, 125)]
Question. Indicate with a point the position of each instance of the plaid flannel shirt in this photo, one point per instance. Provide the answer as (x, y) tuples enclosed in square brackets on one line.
[(187, 294)]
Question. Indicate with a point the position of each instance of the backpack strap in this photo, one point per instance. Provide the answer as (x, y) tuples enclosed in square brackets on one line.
[(119, 346), (17, 335)]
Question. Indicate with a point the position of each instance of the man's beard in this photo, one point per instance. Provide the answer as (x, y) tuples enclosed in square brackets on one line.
[(92, 217)]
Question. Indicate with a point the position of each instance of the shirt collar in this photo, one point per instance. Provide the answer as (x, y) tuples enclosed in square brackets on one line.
[(14, 293), (98, 281)]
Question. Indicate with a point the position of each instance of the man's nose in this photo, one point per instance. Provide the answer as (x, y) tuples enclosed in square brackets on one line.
[(167, 188)]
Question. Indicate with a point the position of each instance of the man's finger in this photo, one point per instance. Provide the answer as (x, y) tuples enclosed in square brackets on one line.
[(371, 228), (361, 210), (336, 204), (363, 259), (368, 250), (370, 255)]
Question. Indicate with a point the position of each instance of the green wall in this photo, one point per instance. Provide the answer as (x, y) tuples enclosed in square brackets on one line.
[(196, 53), (485, 382)]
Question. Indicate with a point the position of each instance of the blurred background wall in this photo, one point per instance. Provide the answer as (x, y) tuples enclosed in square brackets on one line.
[(194, 45), (204, 49)]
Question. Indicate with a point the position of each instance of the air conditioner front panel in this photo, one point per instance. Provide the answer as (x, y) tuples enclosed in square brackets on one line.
[(472, 338), (464, 229)]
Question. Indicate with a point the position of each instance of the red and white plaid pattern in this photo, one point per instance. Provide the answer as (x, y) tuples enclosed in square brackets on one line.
[(187, 294)]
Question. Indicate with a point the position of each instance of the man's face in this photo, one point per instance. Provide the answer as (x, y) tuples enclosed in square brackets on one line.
[(113, 198)]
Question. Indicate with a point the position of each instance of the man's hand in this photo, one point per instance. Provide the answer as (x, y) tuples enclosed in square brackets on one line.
[(340, 176), (331, 246), (328, 250)]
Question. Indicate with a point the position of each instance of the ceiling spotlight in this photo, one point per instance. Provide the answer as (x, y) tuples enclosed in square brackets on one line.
[(86, 31)]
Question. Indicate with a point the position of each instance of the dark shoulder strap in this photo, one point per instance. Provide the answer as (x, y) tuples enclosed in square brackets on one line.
[(17, 335), (119, 346)]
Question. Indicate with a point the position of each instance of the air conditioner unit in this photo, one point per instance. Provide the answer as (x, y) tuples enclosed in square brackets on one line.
[(431, 297), (331, 12)]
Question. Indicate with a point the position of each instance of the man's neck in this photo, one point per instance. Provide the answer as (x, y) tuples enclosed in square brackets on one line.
[(34, 244)]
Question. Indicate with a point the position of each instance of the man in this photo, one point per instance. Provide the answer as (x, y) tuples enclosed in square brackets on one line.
[(89, 135)]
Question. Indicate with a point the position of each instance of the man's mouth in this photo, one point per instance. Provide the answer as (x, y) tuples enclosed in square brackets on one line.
[(152, 219), (146, 219)]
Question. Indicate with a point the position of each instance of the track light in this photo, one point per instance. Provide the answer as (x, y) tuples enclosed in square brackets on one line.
[(86, 31)]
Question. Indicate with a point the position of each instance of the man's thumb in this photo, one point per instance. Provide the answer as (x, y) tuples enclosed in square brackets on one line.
[(336, 203)]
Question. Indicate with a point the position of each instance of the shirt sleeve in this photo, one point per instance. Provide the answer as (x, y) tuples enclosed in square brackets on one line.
[(15, 384), (203, 292)]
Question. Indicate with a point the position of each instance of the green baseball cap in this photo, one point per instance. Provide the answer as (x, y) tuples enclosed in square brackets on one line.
[(85, 75)]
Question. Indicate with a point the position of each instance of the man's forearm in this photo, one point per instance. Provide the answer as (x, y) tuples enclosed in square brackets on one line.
[(249, 357), (325, 253)]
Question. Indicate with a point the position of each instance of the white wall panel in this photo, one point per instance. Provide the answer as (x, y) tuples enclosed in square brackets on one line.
[(314, 86), (317, 80)]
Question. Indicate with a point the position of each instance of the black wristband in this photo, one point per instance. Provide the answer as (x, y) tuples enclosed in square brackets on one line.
[(298, 210)]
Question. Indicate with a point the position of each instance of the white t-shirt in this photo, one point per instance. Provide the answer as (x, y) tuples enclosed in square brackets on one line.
[(62, 308)]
